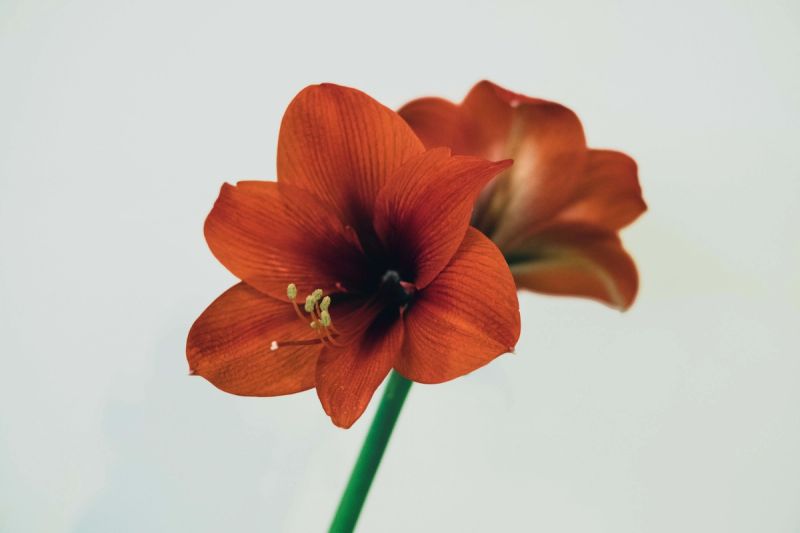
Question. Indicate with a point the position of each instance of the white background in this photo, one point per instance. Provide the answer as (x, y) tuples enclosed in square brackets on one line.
[(120, 120)]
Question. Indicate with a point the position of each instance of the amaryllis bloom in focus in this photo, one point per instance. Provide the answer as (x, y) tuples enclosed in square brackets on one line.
[(359, 259), (556, 212)]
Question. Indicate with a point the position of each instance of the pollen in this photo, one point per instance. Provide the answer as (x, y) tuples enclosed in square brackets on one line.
[(325, 318), (325, 304), (309, 307), (317, 295), (291, 291)]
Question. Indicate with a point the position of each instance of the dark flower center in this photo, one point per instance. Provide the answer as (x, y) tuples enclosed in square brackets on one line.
[(381, 281), (395, 290)]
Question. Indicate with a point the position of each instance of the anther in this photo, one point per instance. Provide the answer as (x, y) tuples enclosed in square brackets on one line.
[(291, 291), (317, 305), (325, 318), (309, 307)]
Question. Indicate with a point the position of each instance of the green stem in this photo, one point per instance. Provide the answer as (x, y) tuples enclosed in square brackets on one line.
[(371, 453)]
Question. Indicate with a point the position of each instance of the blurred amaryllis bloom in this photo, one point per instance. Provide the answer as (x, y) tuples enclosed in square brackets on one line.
[(375, 231), (556, 213)]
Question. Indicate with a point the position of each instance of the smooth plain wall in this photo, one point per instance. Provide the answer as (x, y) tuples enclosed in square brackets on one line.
[(120, 120)]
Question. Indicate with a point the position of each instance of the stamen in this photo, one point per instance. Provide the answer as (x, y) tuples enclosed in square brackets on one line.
[(329, 325), (324, 331), (297, 311), (317, 305), (323, 307), (325, 318), (330, 341)]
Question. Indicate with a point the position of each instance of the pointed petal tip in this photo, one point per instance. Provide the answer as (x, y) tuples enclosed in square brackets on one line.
[(504, 163), (343, 424), (485, 83), (325, 86)]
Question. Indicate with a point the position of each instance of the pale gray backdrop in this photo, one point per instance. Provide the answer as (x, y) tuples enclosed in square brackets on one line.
[(119, 121)]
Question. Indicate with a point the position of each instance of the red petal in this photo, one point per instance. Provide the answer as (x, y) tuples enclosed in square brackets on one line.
[(270, 235), (465, 318), (487, 117), (480, 126), (229, 345), (576, 260), (548, 147), (348, 376), (342, 145), (435, 121), (424, 211), (608, 195)]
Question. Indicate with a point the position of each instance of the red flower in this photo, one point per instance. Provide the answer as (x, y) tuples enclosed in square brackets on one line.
[(556, 212), (375, 230)]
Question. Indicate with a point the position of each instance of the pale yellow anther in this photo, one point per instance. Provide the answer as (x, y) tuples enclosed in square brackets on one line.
[(316, 305), (309, 303), (325, 318)]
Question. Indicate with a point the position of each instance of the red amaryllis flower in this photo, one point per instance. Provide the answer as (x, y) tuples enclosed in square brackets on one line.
[(556, 212), (375, 231)]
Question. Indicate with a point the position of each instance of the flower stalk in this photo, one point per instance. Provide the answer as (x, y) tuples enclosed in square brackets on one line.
[(344, 521)]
